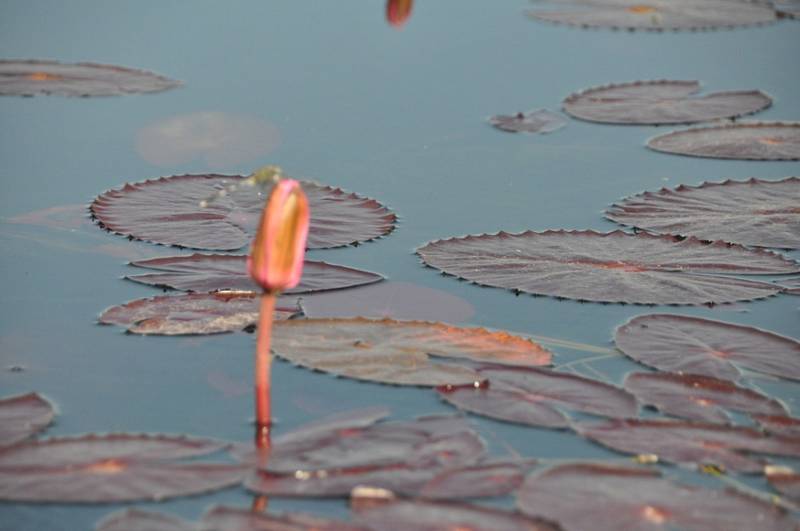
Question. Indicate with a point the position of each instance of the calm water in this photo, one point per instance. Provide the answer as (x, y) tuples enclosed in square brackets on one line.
[(335, 95)]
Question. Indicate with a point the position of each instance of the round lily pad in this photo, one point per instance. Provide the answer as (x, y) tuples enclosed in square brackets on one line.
[(753, 212), (538, 121), (32, 77), (744, 140), (661, 102), (655, 15), (23, 416), (168, 211), (609, 267)]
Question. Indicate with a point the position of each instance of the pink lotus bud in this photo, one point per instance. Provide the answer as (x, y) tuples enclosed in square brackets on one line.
[(398, 11), (276, 261)]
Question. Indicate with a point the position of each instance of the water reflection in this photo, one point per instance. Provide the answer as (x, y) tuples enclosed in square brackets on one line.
[(398, 12), (220, 139)]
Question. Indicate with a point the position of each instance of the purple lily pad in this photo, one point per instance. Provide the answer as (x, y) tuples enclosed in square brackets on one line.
[(217, 272), (32, 77), (538, 121), (609, 267), (168, 211), (677, 343), (23, 416), (661, 102)]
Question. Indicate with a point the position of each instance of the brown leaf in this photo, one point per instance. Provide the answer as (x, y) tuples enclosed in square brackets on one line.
[(22, 416)]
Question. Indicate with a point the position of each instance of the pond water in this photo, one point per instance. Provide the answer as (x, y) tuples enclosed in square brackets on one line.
[(333, 94)]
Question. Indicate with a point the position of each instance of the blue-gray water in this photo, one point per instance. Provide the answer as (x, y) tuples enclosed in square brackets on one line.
[(396, 115)]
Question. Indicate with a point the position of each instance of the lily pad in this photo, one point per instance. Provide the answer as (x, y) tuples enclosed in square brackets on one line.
[(787, 8), (779, 424), (696, 397), (536, 397), (744, 140), (168, 211), (787, 482), (193, 313), (609, 267), (23, 416), (695, 443), (678, 343), (792, 285), (538, 121), (753, 212), (111, 468), (219, 272), (398, 352), (655, 15), (34, 77), (607, 497), (661, 102)]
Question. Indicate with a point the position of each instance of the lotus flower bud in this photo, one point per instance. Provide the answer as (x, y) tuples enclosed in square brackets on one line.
[(276, 261), (398, 11)]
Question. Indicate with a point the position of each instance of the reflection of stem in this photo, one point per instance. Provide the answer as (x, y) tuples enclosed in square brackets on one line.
[(573, 345), (263, 444), (263, 362)]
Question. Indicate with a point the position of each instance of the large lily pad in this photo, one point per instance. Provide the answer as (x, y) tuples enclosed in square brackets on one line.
[(536, 396), (608, 267), (753, 212), (32, 77), (23, 416), (694, 443), (744, 140), (398, 352), (538, 121), (607, 497), (168, 211), (696, 397), (655, 15), (192, 313), (661, 102), (693, 345), (111, 468), (216, 272)]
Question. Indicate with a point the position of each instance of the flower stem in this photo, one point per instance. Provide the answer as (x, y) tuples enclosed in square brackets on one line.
[(264, 362)]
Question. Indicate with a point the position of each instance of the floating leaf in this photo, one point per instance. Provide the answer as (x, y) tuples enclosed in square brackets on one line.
[(22, 416), (754, 212), (744, 140), (395, 515), (608, 267), (216, 272), (167, 211), (677, 343), (661, 102), (536, 396), (192, 313), (690, 442), (111, 468), (32, 77), (538, 121), (696, 397), (140, 520), (655, 15), (792, 286), (779, 424), (606, 497), (785, 481), (398, 352), (787, 8)]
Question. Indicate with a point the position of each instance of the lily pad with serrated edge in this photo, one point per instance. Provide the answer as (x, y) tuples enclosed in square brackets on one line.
[(193, 313), (693, 443), (696, 397), (23, 416), (655, 15), (168, 211), (398, 352), (215, 272), (594, 496), (609, 267), (32, 77), (743, 140), (111, 468), (755, 212), (693, 345), (538, 121), (661, 102)]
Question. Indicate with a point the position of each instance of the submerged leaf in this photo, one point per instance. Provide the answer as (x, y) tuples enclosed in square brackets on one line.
[(678, 343), (32, 77), (744, 140), (609, 267), (168, 211), (23, 416), (661, 102), (607, 497), (398, 352), (538, 121)]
